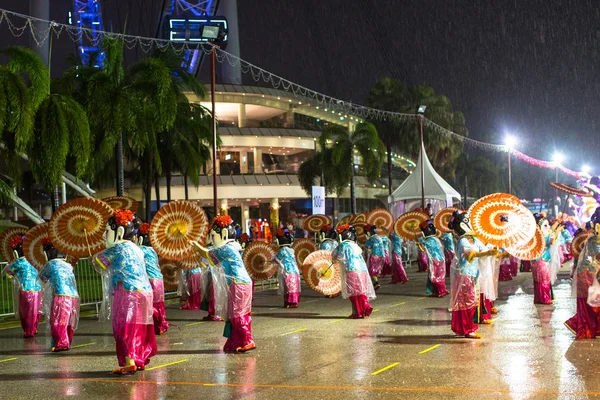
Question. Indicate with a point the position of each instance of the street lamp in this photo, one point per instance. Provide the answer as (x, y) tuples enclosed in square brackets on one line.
[(420, 114), (557, 159), (585, 169), (509, 142)]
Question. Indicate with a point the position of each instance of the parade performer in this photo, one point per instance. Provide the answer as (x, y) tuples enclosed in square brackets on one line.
[(421, 259), (63, 310), (209, 282), (288, 273), (398, 272), (465, 298), (387, 263), (434, 252), (514, 265), (159, 316), (328, 237), (564, 240), (238, 327), (131, 309), (356, 284), (541, 269), (449, 250), (584, 324), (505, 267), (375, 254), (193, 284), (25, 277)]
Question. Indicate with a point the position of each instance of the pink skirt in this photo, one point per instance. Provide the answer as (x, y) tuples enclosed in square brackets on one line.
[(584, 324), (398, 272), (30, 311), (375, 265), (463, 321), (437, 276), (542, 288), (526, 266), (514, 266), (485, 308), (159, 316), (133, 327), (239, 309), (194, 300), (505, 272), (360, 306), (291, 295), (387, 265), (63, 320), (448, 256), (421, 261)]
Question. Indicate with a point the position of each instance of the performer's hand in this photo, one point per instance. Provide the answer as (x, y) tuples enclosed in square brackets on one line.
[(198, 246)]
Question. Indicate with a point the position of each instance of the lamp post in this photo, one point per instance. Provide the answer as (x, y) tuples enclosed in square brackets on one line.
[(420, 115), (557, 159), (509, 142)]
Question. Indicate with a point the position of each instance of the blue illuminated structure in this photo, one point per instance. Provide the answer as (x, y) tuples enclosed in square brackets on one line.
[(188, 10), (87, 14)]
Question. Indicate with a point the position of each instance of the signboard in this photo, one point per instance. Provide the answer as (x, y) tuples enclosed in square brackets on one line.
[(318, 200)]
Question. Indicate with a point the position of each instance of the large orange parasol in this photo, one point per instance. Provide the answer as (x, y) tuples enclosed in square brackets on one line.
[(382, 219), (316, 222), (122, 203), (321, 274), (77, 227), (530, 250), (302, 248), (563, 187), (442, 218), (174, 226), (501, 220), (170, 271), (259, 259), (33, 247), (362, 217), (189, 263), (361, 235), (5, 248), (579, 242), (346, 220), (407, 225)]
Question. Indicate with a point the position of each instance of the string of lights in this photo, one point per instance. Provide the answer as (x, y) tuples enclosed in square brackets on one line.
[(258, 74)]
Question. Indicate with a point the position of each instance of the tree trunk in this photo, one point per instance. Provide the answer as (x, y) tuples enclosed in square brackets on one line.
[(157, 190), (149, 173), (352, 190), (55, 199), (119, 166), (389, 160), (185, 186)]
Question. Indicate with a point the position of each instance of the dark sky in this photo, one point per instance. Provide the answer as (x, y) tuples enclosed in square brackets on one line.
[(525, 66)]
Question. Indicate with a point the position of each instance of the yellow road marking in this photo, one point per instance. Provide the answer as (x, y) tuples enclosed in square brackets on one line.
[(375, 310), (8, 359), (421, 298), (385, 368), (208, 384), (296, 331), (194, 323), (83, 345), (398, 304), (166, 365), (429, 349), (336, 320)]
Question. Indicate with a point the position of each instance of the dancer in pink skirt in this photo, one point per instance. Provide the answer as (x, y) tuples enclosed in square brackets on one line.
[(434, 251), (288, 274), (398, 272), (375, 254)]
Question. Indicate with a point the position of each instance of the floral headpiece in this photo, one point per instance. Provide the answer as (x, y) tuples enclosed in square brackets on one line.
[(280, 232), (46, 241), (367, 227), (222, 221), (123, 217), (144, 229), (342, 228), (424, 224), (326, 228), (244, 237), (15, 241)]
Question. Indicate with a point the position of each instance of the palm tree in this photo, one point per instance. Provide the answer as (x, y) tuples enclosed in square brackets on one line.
[(320, 167), (343, 144)]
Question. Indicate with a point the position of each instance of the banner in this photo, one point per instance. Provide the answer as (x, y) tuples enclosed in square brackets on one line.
[(318, 200)]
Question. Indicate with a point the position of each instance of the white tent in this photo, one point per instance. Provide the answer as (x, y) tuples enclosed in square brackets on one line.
[(436, 188)]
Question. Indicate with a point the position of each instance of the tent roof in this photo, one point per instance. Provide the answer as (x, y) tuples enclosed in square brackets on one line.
[(436, 188)]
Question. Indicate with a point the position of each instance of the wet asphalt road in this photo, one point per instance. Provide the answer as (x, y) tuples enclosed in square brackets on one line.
[(315, 352)]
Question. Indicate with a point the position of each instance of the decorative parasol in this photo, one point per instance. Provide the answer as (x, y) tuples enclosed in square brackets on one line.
[(259, 259), (122, 203), (321, 274), (174, 226), (530, 250), (170, 271), (579, 242), (345, 220), (442, 218), (361, 235), (563, 187), (5, 236), (302, 248), (77, 227), (382, 219), (407, 225), (314, 223), (188, 263), (501, 220), (33, 247), (362, 217)]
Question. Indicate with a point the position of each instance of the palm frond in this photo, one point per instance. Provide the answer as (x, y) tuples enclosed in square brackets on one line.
[(23, 60)]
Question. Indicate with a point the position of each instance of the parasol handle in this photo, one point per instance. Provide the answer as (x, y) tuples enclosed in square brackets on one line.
[(327, 270), (87, 242)]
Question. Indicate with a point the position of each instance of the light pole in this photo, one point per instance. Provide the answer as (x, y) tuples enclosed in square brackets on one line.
[(509, 142), (557, 159), (420, 115)]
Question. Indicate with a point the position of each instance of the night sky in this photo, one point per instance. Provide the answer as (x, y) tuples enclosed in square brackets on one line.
[(522, 66)]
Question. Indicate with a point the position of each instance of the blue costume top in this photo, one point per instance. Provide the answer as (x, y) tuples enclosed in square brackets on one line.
[(375, 247), (448, 241), (26, 273), (386, 244), (465, 247), (546, 256), (233, 265), (328, 244), (286, 258), (434, 247), (396, 244), (350, 257), (566, 236), (59, 274), (126, 263), (151, 260)]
